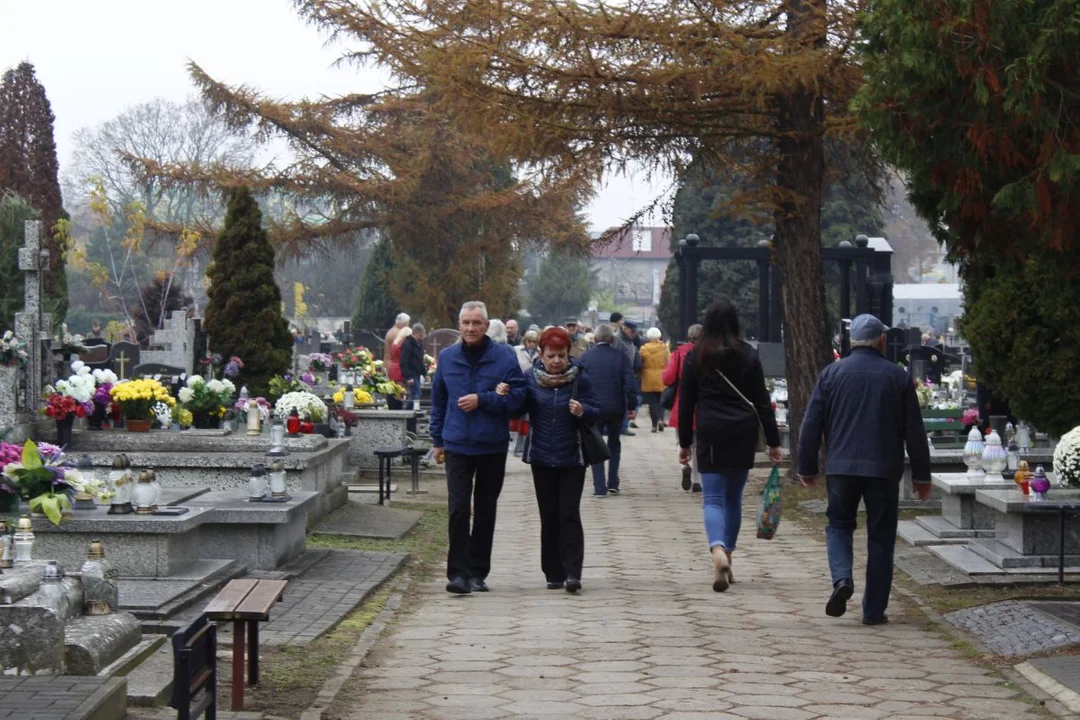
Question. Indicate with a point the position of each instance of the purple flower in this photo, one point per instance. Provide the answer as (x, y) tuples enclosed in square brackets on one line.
[(102, 395), (231, 369), (49, 451), (308, 378)]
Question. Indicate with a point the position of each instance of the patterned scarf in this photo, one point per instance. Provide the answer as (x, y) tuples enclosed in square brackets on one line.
[(548, 380)]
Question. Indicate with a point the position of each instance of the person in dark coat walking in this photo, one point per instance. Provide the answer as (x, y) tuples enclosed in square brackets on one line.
[(413, 367), (470, 430), (866, 409), (722, 394), (615, 388), (560, 395)]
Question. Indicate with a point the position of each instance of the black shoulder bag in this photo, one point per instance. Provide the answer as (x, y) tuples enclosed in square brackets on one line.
[(593, 448)]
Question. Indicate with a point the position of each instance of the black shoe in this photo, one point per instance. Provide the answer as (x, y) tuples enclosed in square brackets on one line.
[(573, 584), (555, 585), (697, 487), (478, 585), (883, 620), (842, 592), (687, 475), (613, 491), (627, 433), (661, 427), (599, 495), (458, 586), (633, 425)]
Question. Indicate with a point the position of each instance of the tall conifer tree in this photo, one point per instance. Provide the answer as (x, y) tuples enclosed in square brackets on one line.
[(28, 166), (243, 315)]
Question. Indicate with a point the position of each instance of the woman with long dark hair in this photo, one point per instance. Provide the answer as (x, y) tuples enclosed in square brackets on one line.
[(722, 392)]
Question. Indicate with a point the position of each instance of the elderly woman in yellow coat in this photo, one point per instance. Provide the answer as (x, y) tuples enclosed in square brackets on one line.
[(654, 358)]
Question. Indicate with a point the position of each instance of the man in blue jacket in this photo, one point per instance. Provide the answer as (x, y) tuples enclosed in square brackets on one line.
[(867, 410), (470, 429), (615, 388)]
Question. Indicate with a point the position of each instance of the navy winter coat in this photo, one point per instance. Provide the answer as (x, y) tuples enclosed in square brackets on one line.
[(486, 430), (867, 410), (553, 431), (612, 376)]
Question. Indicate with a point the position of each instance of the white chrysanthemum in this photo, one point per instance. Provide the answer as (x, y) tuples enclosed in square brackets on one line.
[(306, 405), (105, 376), (1067, 458), (215, 386), (229, 386), (194, 380), (186, 394), (77, 365)]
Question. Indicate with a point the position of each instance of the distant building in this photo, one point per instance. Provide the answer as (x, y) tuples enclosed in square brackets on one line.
[(632, 267), (927, 305)]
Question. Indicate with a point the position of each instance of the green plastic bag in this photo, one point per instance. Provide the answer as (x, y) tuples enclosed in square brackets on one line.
[(770, 507)]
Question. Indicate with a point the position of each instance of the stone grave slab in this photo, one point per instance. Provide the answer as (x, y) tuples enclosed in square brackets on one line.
[(356, 519), (124, 356), (1020, 526), (378, 428)]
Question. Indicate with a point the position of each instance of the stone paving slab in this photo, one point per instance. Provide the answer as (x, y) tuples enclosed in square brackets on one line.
[(1015, 628), (355, 519), (648, 638), (65, 697)]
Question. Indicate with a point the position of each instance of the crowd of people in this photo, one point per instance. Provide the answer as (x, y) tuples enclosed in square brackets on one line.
[(540, 393)]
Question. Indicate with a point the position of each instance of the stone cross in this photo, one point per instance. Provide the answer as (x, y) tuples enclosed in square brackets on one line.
[(32, 325), (122, 359)]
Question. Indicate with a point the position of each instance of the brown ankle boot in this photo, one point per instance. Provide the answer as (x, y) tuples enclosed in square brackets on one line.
[(721, 569)]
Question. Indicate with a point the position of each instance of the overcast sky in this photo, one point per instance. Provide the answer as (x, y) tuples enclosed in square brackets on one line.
[(95, 59)]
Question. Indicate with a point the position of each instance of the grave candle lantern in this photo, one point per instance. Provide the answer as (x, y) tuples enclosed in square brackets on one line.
[(52, 592), (83, 499), (350, 398), (254, 419), (99, 580), (146, 494), (1012, 460), (277, 479), (257, 483), (292, 425), (120, 482), (993, 455), (24, 540), (7, 546), (1040, 484), (277, 439), (973, 451)]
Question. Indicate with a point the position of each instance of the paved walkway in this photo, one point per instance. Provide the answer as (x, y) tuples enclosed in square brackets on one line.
[(648, 638)]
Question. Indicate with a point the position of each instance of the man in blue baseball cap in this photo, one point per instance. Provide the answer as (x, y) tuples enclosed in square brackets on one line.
[(866, 409)]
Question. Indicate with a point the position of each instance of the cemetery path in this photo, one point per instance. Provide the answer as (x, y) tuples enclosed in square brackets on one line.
[(648, 638)]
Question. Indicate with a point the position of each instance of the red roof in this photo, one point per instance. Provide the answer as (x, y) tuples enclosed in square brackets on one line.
[(652, 243)]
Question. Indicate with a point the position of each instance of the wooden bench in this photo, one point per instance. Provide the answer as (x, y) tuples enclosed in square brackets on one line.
[(246, 602), (195, 670)]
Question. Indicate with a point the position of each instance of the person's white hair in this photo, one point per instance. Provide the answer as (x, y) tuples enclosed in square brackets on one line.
[(653, 334), (473, 305), (497, 331), (406, 332), (402, 319), (530, 336), (605, 334), (693, 333)]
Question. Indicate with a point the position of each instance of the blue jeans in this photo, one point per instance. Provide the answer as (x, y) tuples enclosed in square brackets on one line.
[(611, 426), (882, 498), (413, 386), (722, 498)]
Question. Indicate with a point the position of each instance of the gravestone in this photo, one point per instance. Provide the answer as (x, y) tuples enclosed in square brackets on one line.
[(438, 340), (33, 327), (124, 356), (168, 373), (173, 344), (896, 344), (772, 359), (96, 357)]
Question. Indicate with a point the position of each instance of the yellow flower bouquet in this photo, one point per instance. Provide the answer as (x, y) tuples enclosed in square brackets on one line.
[(363, 397), (137, 397)]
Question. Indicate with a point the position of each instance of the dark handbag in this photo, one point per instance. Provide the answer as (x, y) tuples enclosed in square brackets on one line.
[(593, 448), (667, 398)]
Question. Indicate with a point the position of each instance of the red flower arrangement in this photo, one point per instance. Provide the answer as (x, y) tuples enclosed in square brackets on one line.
[(59, 407)]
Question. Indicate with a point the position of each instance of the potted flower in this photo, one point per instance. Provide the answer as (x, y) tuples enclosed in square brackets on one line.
[(40, 477), (137, 398), (1067, 458), (360, 395), (320, 364), (206, 399), (279, 385), (102, 398), (354, 359)]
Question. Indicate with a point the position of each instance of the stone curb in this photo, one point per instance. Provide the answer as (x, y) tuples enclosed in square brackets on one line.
[(1065, 696), (359, 652)]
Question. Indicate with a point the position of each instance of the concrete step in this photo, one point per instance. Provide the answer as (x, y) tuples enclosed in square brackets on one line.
[(133, 657), (93, 642), (151, 683), (916, 535), (942, 528), (176, 595), (964, 560), (1005, 557), (108, 703)]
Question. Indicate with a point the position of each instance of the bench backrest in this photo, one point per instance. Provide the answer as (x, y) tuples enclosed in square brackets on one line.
[(195, 669)]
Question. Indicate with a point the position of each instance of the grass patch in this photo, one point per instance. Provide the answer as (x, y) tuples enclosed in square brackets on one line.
[(291, 677), (949, 599)]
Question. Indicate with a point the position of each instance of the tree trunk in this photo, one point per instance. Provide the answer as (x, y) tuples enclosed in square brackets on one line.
[(800, 177)]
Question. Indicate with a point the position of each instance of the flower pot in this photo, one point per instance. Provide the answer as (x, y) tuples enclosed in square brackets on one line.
[(63, 432), (205, 420), (138, 425), (96, 418)]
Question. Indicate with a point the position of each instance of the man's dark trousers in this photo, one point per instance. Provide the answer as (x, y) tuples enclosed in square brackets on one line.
[(882, 499), (470, 553), (611, 426)]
